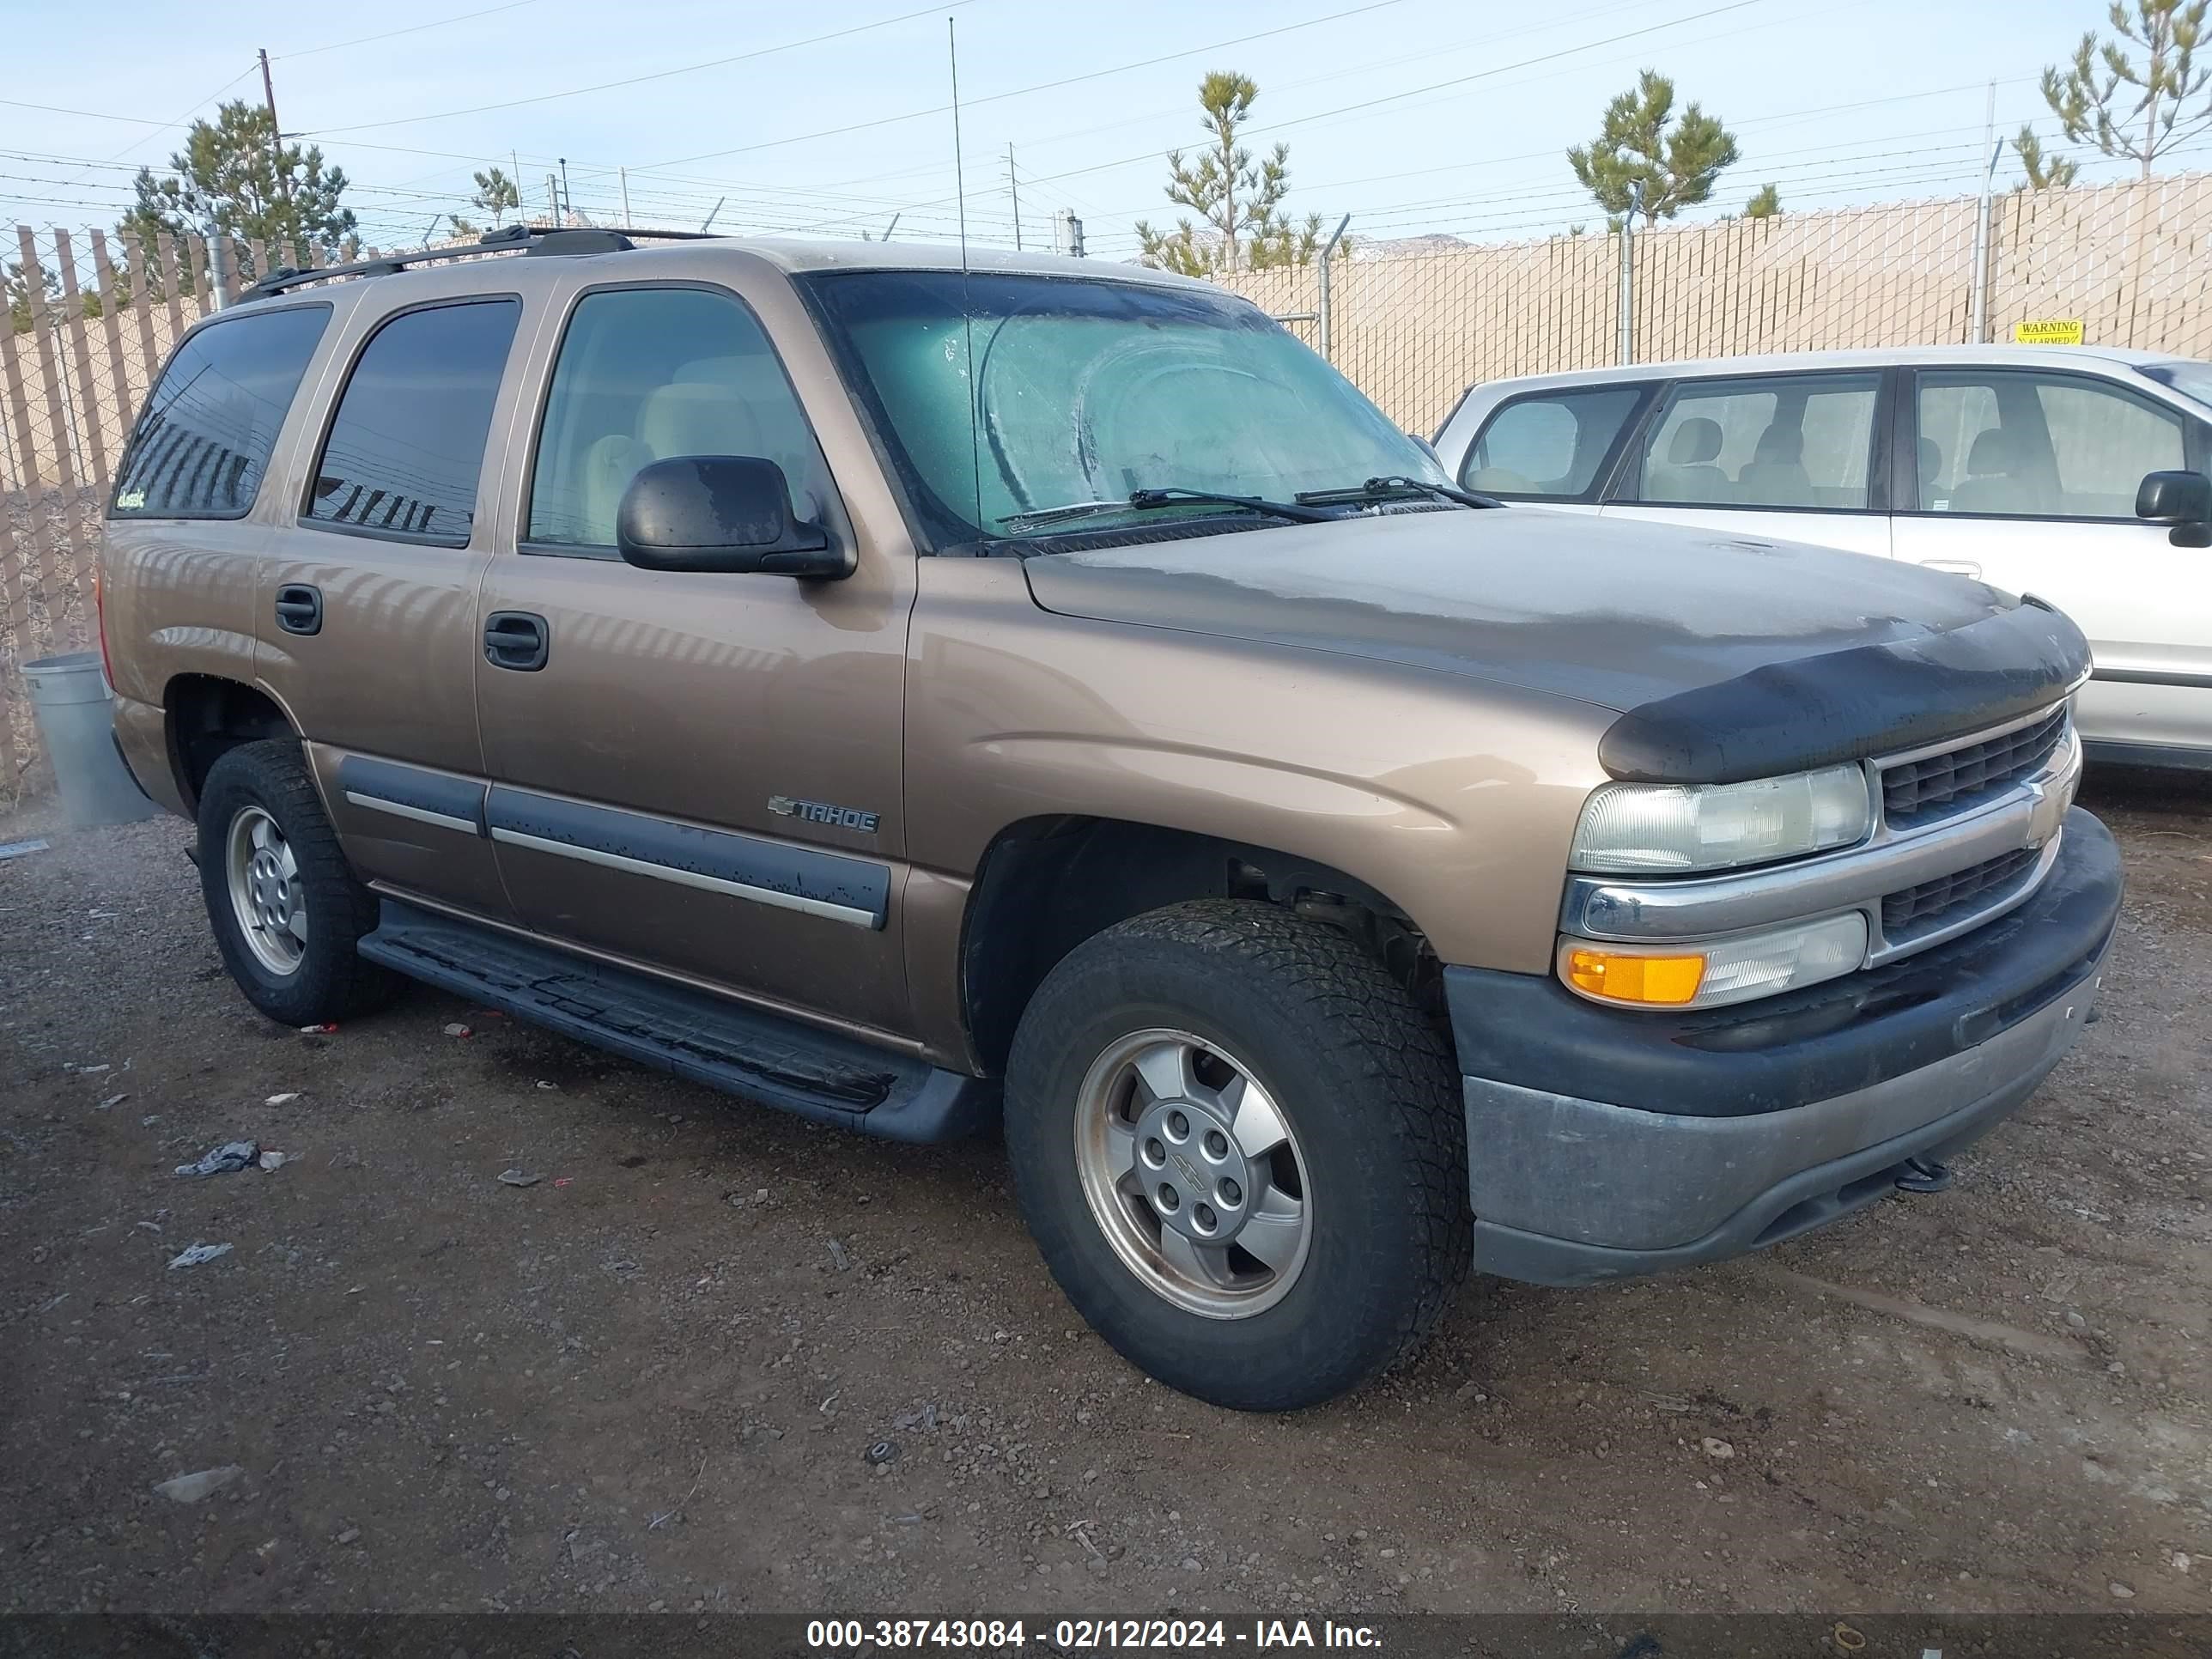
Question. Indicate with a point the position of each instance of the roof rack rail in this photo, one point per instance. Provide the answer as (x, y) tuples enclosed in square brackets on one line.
[(511, 238)]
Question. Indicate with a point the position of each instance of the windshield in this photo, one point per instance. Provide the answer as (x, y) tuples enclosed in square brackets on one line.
[(2190, 379), (1001, 396)]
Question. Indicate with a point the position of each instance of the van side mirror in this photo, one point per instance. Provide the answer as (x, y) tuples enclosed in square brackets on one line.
[(2183, 500), (728, 514)]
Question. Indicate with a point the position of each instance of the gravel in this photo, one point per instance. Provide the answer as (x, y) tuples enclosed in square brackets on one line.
[(443, 1392)]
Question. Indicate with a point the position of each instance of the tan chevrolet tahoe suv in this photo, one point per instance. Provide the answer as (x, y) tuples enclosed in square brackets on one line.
[(924, 694)]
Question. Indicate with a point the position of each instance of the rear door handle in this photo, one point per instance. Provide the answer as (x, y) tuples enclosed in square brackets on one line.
[(518, 640), (1956, 567), (300, 608)]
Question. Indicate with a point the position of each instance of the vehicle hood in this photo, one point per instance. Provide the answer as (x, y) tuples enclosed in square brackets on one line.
[(1726, 655)]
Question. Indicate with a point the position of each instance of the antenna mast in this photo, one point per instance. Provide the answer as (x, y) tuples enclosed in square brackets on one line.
[(959, 168)]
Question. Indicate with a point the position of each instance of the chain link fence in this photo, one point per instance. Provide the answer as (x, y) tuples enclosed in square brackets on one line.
[(92, 315), (2128, 262)]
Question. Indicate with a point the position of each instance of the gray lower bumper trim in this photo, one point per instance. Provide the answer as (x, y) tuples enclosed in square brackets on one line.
[(1567, 1191)]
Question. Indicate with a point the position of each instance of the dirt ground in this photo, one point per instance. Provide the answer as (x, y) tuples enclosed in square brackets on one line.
[(651, 1380)]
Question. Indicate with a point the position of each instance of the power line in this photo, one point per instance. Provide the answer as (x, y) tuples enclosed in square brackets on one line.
[(1553, 207), (1041, 86), (1753, 165), (1486, 41), (1550, 154), (1411, 92), (197, 104), (412, 28), (813, 201), (102, 115), (638, 79)]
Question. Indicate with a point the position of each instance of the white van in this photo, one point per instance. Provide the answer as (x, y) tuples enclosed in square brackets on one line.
[(2076, 474)]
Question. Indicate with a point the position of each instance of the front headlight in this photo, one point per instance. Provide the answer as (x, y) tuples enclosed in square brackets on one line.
[(1665, 829)]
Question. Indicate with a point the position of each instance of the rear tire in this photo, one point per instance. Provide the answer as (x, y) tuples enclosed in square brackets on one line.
[(286, 907), (1263, 1061)]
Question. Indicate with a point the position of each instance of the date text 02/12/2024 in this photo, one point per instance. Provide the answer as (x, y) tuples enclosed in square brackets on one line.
[(1085, 1635)]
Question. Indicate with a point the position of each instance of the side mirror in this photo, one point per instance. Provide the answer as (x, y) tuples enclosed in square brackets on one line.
[(729, 513), (2183, 500)]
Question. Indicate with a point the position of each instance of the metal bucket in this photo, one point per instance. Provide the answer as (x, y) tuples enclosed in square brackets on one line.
[(68, 696)]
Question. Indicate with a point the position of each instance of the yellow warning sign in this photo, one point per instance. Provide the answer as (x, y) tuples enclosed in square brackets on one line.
[(2048, 331)]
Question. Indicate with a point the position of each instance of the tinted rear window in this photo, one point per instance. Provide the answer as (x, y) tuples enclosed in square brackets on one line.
[(408, 442), (202, 442)]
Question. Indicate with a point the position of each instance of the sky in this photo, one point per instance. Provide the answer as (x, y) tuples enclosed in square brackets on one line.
[(1414, 116)]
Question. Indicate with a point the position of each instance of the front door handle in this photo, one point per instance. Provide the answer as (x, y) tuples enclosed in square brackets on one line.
[(517, 640), (300, 608), (1956, 567)]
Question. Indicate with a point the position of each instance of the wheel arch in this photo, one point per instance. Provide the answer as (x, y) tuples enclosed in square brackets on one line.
[(1047, 884), (204, 715)]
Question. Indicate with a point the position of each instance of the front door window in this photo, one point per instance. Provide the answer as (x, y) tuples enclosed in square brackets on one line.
[(2020, 444)]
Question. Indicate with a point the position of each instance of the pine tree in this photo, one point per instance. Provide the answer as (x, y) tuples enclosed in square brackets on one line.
[(1637, 160), (2155, 113), (1765, 204), (2044, 172), (15, 285), (227, 180), (496, 194), (1239, 200)]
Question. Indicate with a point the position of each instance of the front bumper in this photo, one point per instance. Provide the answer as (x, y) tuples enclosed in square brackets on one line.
[(1603, 1144)]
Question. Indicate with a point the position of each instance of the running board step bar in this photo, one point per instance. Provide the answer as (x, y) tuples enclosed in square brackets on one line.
[(780, 1062)]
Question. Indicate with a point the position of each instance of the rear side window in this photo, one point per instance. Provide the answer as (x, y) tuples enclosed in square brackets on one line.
[(1792, 441), (407, 445), (647, 374), (202, 442), (1550, 445)]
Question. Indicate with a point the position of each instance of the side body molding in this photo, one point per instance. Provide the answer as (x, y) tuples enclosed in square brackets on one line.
[(856, 891)]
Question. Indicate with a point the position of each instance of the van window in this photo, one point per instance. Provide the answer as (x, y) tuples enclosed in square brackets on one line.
[(646, 374), (202, 440), (2025, 445), (1786, 440), (1550, 445), (407, 444)]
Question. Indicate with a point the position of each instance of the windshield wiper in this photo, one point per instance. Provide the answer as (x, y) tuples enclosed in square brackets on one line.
[(1045, 515), (1381, 489), (1146, 500), (1173, 494)]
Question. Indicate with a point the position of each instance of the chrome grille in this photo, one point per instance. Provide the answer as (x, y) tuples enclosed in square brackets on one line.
[(1957, 778), (1936, 904)]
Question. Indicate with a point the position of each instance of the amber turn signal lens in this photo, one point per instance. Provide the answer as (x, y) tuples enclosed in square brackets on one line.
[(1618, 977)]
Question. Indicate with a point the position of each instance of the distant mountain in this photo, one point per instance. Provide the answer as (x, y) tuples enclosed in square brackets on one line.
[(1406, 247)]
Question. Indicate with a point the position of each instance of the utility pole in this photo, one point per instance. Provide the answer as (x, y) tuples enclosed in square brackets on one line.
[(1978, 328), (624, 172), (276, 133), (1014, 190), (567, 201), (1070, 233), (552, 202), (708, 223)]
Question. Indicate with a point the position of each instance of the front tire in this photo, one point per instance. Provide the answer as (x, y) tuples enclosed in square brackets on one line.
[(286, 907), (1240, 1148)]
